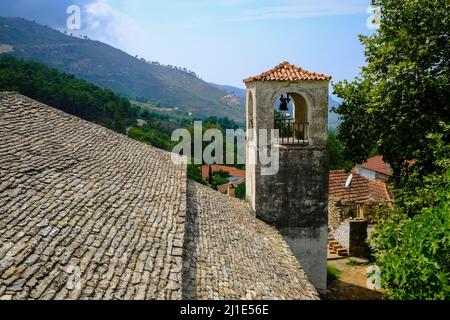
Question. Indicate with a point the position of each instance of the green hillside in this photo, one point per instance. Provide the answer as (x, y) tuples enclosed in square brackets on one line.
[(114, 69), (67, 93)]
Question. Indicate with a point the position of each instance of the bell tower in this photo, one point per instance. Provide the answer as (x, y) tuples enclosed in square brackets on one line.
[(294, 197)]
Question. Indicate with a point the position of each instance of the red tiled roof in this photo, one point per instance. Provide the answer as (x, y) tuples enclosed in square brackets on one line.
[(379, 192), (287, 72), (224, 187), (362, 189), (215, 167), (377, 164), (359, 191)]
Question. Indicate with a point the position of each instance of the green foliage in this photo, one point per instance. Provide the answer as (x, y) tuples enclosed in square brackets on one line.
[(412, 241), (414, 253), (400, 106), (150, 137), (240, 192), (416, 186), (194, 173), (224, 123), (66, 93), (336, 153), (333, 274), (402, 94)]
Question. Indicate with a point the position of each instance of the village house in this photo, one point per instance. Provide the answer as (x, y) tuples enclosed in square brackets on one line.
[(360, 200), (375, 169)]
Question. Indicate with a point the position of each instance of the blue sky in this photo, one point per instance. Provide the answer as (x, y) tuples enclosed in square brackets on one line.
[(224, 41)]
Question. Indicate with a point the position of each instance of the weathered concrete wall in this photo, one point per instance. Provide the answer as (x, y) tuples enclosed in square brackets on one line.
[(297, 196), (309, 245)]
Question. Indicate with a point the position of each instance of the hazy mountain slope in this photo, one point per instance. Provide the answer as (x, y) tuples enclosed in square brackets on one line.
[(333, 118), (114, 69), (238, 92)]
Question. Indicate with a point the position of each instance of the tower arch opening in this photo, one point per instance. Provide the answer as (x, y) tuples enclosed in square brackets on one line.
[(292, 118)]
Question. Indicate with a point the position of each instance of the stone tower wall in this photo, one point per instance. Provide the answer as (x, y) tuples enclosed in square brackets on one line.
[(295, 200)]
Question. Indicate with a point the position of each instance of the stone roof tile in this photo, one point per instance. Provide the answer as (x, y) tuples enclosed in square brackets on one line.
[(229, 254), (78, 201)]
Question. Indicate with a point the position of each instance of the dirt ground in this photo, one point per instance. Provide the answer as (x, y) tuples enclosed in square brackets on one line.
[(352, 283)]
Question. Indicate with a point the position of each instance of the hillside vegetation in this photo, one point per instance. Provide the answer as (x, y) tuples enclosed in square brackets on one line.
[(67, 93), (114, 69)]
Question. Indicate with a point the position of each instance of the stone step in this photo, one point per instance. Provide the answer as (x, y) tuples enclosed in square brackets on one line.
[(342, 252), (334, 242)]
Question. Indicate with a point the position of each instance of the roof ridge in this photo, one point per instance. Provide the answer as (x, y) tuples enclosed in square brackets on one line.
[(286, 71)]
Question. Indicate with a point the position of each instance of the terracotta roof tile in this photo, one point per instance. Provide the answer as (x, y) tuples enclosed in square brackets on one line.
[(287, 72), (377, 164), (378, 191), (359, 191), (215, 167), (362, 189)]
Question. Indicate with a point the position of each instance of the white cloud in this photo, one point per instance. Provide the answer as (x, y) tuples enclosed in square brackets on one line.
[(104, 23), (302, 9)]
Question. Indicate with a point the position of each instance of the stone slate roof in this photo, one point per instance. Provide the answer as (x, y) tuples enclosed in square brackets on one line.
[(73, 194), (287, 72), (231, 255), (80, 202)]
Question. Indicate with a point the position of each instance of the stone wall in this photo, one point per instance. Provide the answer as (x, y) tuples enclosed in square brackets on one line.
[(342, 234), (352, 235), (335, 214)]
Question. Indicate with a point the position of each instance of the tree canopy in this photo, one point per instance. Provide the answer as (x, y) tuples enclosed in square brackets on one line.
[(403, 93), (399, 105)]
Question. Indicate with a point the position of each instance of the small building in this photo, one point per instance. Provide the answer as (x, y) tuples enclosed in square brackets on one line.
[(375, 169), (230, 187), (358, 201)]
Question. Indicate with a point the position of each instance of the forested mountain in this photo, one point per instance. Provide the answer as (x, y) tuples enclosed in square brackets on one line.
[(67, 93), (114, 69)]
